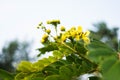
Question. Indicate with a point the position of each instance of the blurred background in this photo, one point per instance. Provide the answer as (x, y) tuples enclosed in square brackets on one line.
[(19, 37)]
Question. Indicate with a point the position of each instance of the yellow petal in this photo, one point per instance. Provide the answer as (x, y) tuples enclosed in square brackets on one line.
[(73, 33), (77, 37), (63, 38), (86, 40), (87, 33), (79, 28)]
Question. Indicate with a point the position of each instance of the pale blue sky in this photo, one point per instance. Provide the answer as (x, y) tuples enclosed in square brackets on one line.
[(19, 18)]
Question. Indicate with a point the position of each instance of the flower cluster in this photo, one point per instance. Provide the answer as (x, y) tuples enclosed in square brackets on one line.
[(73, 33), (77, 34)]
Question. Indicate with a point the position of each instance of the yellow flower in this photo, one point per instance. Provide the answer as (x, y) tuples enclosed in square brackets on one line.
[(45, 36), (62, 28), (48, 31), (85, 37), (73, 33)]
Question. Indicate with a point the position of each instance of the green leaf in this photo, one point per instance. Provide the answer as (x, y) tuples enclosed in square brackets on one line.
[(6, 75), (50, 70), (48, 48), (21, 76), (29, 76), (57, 54), (98, 44), (44, 61), (25, 66), (113, 73), (54, 77), (59, 63), (99, 51), (74, 58), (65, 72), (70, 59), (80, 47), (65, 49), (51, 59), (107, 64), (75, 69), (87, 67), (37, 78)]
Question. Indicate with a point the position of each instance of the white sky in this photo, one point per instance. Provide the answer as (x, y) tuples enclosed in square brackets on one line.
[(19, 18)]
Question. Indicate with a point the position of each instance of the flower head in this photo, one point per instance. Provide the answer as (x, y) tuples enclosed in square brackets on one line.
[(53, 22)]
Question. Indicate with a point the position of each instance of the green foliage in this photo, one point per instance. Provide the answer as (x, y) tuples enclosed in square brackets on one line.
[(6, 75), (99, 51), (80, 47), (73, 54), (47, 48), (114, 71)]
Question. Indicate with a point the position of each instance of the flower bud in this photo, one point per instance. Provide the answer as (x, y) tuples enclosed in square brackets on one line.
[(42, 41), (40, 24), (56, 37), (48, 31), (45, 36), (62, 28)]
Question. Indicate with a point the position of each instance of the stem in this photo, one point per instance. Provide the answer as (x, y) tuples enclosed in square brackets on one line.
[(119, 55), (82, 56), (56, 30)]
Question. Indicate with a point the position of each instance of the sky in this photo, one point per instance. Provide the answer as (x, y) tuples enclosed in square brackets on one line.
[(19, 18)]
